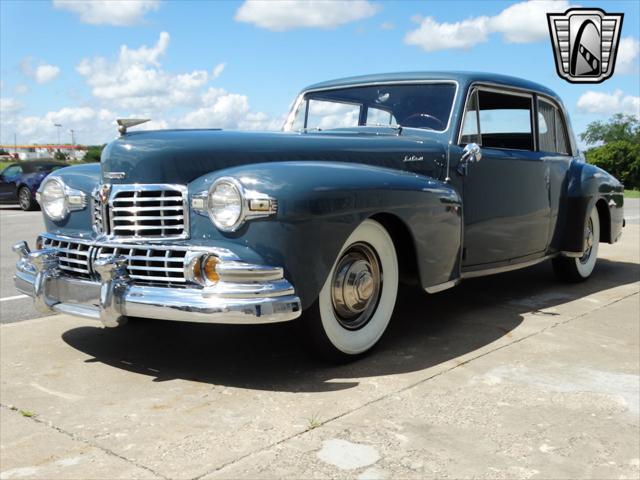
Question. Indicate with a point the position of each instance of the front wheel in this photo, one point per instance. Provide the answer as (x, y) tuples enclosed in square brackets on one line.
[(357, 300), (579, 269), (26, 200)]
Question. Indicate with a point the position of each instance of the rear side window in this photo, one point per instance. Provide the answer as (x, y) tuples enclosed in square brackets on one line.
[(551, 131), (498, 120)]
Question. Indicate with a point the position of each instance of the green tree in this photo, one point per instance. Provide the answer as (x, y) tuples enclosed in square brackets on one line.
[(93, 153), (58, 155), (619, 152)]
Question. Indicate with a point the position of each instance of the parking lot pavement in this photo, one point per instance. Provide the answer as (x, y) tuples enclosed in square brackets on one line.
[(508, 376), (15, 225)]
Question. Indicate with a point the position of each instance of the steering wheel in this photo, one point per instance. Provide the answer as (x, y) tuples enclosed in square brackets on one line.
[(423, 120)]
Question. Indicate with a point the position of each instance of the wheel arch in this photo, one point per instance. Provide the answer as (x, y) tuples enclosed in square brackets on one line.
[(404, 244)]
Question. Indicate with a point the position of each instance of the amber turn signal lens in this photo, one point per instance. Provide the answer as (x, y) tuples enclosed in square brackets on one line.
[(209, 265)]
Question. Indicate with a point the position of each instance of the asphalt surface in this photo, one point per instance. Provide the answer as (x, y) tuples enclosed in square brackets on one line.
[(16, 225), (510, 376)]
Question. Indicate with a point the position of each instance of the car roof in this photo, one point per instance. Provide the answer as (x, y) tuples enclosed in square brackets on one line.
[(463, 78), (28, 165)]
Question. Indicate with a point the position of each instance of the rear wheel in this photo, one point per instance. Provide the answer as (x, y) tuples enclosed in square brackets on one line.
[(357, 300), (579, 269), (26, 200)]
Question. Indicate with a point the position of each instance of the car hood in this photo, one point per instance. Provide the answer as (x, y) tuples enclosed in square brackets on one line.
[(180, 156)]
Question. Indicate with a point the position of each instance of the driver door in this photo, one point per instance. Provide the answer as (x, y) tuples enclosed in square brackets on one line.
[(506, 202)]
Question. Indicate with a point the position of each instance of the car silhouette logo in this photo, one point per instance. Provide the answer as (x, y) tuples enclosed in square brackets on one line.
[(585, 43)]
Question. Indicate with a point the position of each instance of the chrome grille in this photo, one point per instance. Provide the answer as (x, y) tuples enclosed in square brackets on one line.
[(73, 257), (97, 210), (150, 265), (148, 211), (158, 266)]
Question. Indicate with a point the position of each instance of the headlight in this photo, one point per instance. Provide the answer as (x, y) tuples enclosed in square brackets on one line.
[(225, 204), (57, 199), (54, 200)]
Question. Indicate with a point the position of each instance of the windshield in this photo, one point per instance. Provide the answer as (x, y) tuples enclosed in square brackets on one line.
[(426, 105)]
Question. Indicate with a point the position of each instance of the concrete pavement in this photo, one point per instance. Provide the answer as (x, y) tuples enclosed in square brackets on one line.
[(508, 376)]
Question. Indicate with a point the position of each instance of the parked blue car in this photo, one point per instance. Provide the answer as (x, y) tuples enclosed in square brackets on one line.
[(423, 178), (19, 182)]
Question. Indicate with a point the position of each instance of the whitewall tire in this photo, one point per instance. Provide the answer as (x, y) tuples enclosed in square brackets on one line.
[(580, 268), (357, 299)]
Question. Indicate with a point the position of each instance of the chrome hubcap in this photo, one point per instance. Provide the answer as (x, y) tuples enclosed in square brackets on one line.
[(24, 198), (356, 286), (588, 234)]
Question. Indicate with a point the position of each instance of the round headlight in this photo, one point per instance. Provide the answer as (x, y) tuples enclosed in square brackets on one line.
[(54, 200), (225, 204)]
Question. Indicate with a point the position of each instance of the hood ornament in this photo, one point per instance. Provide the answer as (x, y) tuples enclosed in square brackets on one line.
[(124, 123)]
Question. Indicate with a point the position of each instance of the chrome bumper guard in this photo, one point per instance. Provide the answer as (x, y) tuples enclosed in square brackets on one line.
[(266, 298)]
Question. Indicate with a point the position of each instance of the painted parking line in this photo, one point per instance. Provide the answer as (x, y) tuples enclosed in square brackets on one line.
[(15, 297)]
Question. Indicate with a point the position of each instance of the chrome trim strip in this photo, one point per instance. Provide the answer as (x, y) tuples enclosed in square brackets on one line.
[(443, 286), (505, 268), (292, 114)]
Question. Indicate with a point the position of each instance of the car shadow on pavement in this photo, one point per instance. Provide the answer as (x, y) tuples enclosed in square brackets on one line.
[(426, 330)]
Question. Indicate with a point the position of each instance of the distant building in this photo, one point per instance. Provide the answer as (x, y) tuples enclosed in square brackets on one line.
[(34, 152)]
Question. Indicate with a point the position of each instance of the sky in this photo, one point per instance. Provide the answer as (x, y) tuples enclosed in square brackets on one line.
[(240, 64)]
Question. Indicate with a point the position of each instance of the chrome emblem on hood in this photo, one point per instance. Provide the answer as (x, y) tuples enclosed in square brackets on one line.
[(115, 175), (413, 158)]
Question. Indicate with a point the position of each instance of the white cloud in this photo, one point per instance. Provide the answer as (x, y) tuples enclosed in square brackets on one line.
[(387, 26), (42, 73), (218, 69), (21, 89), (134, 84), (9, 106), (432, 36), (289, 14), (46, 73), (609, 103), (220, 109), (523, 22), (136, 79), (627, 58), (108, 12)]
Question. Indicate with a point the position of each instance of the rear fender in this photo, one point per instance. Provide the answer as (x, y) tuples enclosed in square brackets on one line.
[(589, 187)]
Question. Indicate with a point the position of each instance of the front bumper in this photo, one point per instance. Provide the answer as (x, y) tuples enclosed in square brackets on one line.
[(114, 297)]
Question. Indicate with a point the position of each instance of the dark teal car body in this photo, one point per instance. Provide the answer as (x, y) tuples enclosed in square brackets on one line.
[(448, 218)]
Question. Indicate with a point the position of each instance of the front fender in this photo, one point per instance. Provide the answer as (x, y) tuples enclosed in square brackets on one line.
[(590, 187), (321, 203)]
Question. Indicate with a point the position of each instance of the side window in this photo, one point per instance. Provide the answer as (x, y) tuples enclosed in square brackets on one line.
[(378, 116), (561, 134), (470, 126), (547, 126), (552, 134), (505, 120), (12, 171)]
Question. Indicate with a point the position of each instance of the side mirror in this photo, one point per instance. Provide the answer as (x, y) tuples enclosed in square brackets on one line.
[(470, 154)]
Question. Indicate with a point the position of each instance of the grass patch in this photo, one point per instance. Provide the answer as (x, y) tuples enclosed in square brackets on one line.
[(4, 164), (313, 422), (27, 413), (632, 193)]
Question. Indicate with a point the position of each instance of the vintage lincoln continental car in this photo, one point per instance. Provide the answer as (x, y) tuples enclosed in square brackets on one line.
[(423, 178)]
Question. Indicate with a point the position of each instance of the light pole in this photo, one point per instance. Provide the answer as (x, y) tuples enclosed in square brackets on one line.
[(58, 126), (73, 141)]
